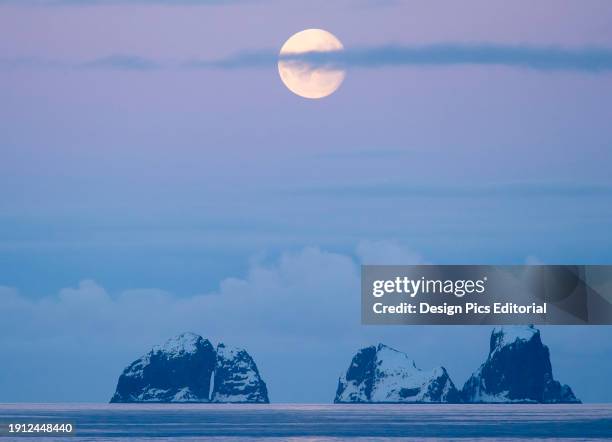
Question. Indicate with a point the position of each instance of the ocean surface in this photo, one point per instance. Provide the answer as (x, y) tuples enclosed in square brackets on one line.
[(298, 422)]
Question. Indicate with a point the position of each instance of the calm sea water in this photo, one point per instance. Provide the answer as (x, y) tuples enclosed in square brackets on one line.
[(102, 422)]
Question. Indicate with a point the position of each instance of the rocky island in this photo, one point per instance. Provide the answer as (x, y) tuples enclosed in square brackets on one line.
[(381, 374), (188, 368), (517, 370)]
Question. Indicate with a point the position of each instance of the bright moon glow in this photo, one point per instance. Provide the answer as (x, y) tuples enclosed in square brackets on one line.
[(304, 80)]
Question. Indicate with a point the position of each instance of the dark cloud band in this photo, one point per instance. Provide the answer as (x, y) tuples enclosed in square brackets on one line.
[(541, 58), (591, 60)]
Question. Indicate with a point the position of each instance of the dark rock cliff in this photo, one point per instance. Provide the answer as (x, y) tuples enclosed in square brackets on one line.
[(517, 370)]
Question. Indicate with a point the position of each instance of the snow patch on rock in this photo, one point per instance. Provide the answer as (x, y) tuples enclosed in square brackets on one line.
[(179, 345), (507, 335)]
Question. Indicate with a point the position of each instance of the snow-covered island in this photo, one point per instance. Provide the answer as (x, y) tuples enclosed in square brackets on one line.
[(517, 370), (187, 368), (381, 374)]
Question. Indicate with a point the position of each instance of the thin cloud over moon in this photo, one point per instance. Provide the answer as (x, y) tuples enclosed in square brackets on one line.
[(590, 59)]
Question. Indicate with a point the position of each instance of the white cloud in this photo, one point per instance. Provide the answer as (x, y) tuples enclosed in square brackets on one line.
[(281, 297)]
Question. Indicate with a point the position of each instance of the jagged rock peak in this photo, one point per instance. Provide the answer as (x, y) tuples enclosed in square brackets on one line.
[(517, 370)]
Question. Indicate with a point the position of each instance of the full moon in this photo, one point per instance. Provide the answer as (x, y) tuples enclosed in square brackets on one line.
[(302, 79)]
